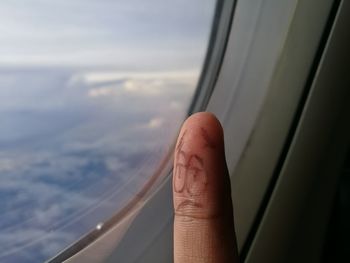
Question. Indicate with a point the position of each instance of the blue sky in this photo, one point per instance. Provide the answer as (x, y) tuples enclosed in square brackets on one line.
[(92, 94)]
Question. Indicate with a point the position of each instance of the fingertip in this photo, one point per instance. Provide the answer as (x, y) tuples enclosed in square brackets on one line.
[(200, 172), (206, 119), (204, 124)]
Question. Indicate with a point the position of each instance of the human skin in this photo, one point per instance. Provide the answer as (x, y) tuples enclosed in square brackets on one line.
[(203, 222)]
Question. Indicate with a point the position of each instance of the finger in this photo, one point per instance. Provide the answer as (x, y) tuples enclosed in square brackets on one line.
[(203, 224)]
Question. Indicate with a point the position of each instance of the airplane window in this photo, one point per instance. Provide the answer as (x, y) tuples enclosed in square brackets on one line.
[(92, 94)]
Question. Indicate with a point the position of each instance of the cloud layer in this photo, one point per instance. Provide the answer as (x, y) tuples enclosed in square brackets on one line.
[(73, 152)]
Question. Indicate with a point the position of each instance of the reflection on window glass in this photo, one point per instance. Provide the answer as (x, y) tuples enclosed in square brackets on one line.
[(92, 94)]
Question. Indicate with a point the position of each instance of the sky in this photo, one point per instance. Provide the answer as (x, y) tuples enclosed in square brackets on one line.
[(133, 34), (92, 93)]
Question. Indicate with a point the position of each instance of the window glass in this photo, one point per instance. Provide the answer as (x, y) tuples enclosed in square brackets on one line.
[(92, 94)]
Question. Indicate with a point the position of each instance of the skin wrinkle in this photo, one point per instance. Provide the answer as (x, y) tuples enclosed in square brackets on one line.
[(208, 243)]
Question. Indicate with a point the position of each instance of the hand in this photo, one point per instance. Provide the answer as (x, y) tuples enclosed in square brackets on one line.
[(203, 224)]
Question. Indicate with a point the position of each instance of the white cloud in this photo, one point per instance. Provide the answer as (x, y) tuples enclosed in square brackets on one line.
[(7, 164), (143, 87), (155, 123), (98, 76), (100, 92)]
